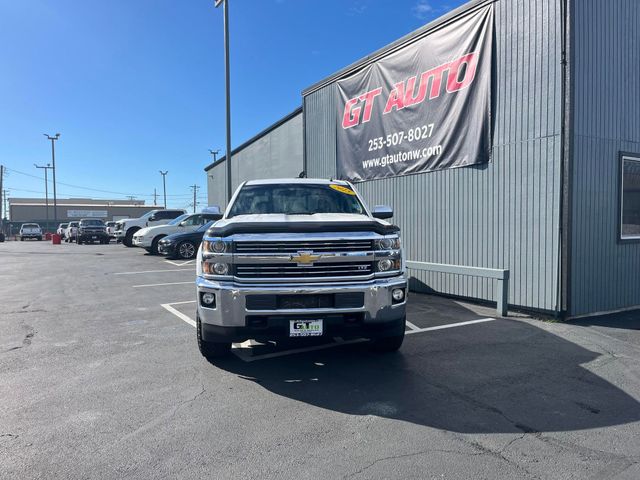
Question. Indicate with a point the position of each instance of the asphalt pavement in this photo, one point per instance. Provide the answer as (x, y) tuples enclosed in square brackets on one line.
[(100, 377)]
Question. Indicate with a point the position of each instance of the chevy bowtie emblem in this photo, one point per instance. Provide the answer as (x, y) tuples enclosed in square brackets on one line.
[(304, 257)]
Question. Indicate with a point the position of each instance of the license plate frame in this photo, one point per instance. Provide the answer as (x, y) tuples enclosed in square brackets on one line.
[(306, 328)]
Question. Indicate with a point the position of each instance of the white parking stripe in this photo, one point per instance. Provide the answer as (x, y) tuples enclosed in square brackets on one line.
[(450, 325), (178, 314), (180, 264), (157, 271), (237, 348), (162, 284)]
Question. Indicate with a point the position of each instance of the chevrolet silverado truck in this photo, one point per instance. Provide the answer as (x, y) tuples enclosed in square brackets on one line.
[(300, 258), (30, 230)]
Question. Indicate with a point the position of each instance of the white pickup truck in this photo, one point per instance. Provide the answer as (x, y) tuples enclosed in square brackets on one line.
[(30, 230), (126, 228), (300, 258)]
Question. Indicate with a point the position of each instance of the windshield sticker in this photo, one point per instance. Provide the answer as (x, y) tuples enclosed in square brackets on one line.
[(342, 189)]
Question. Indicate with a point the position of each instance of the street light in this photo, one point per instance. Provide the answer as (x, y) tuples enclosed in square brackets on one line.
[(227, 91), (164, 186), (46, 189), (53, 161)]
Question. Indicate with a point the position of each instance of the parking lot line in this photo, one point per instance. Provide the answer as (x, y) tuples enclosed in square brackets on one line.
[(162, 284), (450, 325), (240, 349), (157, 271), (180, 264)]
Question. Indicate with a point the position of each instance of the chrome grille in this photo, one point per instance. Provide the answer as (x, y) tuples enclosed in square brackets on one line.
[(337, 246), (319, 270)]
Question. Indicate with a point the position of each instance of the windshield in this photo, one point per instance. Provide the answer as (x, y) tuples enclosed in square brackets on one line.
[(206, 226), (64, 225), (177, 220), (73, 224), (30, 225), (93, 223), (296, 199)]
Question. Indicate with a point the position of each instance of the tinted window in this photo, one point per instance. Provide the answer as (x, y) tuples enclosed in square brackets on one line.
[(630, 210), (177, 220), (298, 199)]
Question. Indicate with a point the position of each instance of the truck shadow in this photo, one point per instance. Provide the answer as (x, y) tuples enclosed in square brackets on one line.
[(502, 376)]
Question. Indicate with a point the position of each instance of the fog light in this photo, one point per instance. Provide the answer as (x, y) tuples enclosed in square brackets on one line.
[(397, 294), (220, 268), (208, 298), (385, 265)]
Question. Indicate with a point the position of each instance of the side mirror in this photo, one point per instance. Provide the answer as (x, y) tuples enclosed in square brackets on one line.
[(382, 212), (152, 218)]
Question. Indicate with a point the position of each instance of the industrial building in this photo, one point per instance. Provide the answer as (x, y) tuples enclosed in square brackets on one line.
[(529, 150), (22, 210)]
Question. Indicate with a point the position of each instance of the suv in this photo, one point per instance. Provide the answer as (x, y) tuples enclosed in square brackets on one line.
[(30, 230), (149, 237), (300, 258), (91, 230), (127, 227)]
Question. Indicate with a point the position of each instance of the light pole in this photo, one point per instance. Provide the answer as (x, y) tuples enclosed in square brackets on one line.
[(53, 162), (227, 91), (164, 185), (46, 188)]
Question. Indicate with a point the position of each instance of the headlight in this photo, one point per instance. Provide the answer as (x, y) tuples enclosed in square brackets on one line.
[(387, 264), (212, 268), (388, 243), (217, 246)]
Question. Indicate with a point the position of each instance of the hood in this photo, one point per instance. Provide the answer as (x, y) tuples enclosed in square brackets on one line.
[(319, 222)]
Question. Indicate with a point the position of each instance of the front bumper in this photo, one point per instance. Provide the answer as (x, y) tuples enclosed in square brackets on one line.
[(167, 249), (231, 320), (142, 242)]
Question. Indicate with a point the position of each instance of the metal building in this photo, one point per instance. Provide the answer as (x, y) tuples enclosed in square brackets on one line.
[(275, 152), (557, 204), (566, 103)]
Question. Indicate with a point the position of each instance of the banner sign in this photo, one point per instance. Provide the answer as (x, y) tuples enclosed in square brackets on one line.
[(87, 214), (424, 107)]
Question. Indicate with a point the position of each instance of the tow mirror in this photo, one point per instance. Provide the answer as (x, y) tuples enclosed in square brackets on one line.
[(382, 211)]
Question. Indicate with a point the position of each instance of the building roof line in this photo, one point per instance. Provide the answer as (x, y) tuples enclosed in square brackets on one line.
[(264, 132), (400, 43)]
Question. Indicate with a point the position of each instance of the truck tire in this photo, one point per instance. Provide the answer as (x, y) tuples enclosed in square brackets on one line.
[(210, 350), (390, 343), (128, 238), (154, 244)]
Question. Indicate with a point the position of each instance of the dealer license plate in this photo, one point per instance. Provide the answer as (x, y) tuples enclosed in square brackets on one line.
[(305, 328)]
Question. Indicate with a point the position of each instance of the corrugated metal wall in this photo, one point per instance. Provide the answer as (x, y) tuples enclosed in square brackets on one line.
[(504, 214), (277, 154), (605, 274)]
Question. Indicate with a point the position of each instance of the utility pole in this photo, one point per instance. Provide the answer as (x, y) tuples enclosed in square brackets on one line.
[(155, 196), (1, 200), (164, 185), (214, 154), (6, 211), (195, 191), (46, 189), (227, 91), (131, 197), (53, 162)]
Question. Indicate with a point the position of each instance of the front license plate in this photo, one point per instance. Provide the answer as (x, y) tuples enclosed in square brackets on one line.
[(94, 238), (305, 328)]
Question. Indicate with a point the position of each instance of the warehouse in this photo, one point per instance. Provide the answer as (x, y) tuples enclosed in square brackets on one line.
[(23, 210), (525, 159)]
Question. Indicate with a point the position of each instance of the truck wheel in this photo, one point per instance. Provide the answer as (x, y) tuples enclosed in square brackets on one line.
[(128, 238), (154, 244), (389, 344), (186, 250), (210, 350)]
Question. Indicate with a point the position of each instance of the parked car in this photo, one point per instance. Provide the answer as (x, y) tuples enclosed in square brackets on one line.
[(299, 258), (92, 230), (71, 232), (183, 245), (126, 228), (111, 229), (61, 229), (149, 237), (30, 230)]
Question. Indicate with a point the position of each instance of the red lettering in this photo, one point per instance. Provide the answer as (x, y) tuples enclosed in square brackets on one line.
[(351, 116), (396, 98), (367, 98), (453, 82)]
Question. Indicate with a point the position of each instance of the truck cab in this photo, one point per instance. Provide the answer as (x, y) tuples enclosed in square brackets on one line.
[(296, 258)]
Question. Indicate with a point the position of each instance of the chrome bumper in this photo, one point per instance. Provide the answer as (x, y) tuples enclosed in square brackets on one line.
[(231, 311)]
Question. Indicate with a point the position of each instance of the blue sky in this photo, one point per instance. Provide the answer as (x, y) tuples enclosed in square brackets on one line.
[(135, 86)]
